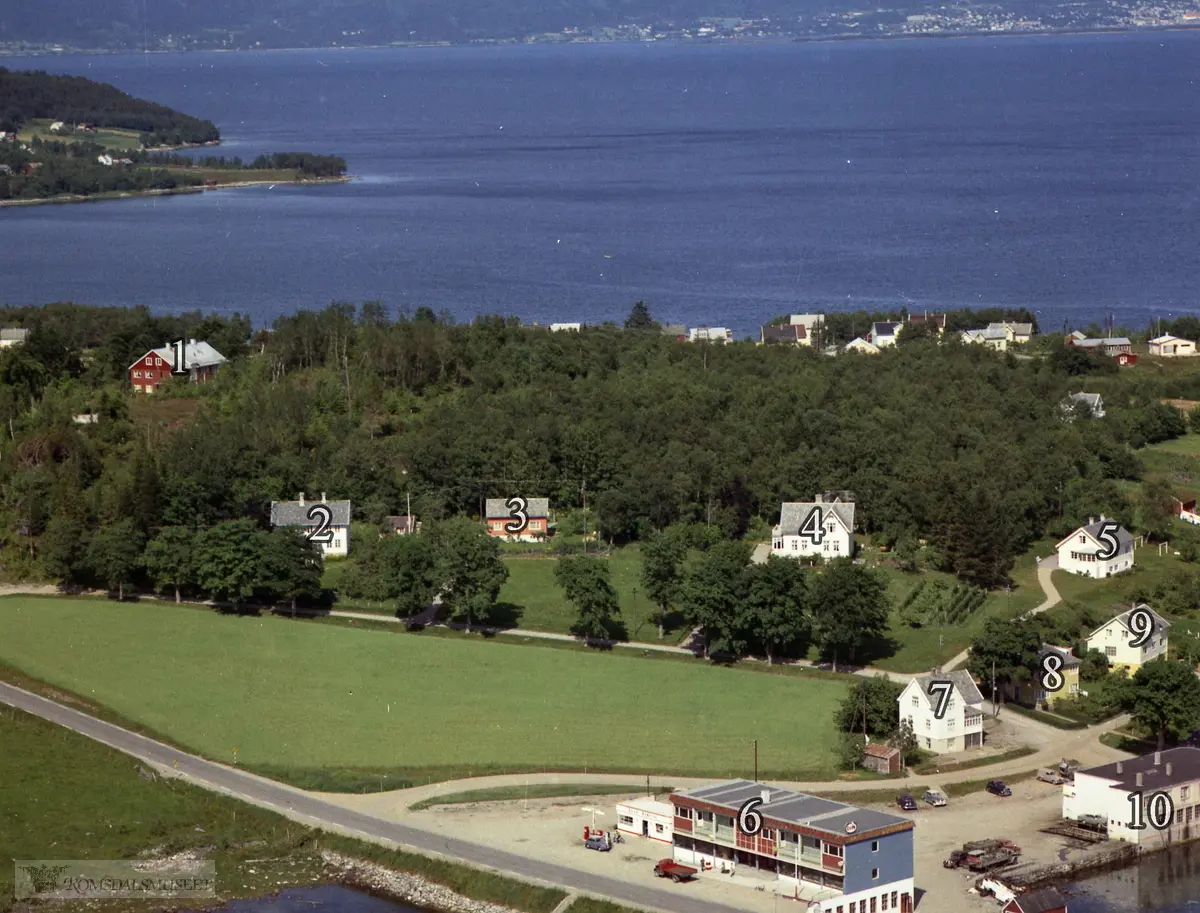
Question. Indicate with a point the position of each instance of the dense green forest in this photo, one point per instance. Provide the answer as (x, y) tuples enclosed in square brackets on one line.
[(954, 444), (25, 95)]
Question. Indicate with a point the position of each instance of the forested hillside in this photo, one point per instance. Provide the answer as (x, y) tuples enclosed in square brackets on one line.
[(25, 95), (953, 444)]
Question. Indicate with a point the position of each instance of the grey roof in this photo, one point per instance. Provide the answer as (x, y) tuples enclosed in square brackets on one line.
[(885, 328), (1069, 659), (963, 684), (196, 354), (1092, 342), (826, 815), (293, 513), (1093, 530), (1020, 329), (793, 514), (405, 522), (497, 508), (993, 332), (674, 329), (13, 334), (1185, 768), (788, 332), (1160, 623)]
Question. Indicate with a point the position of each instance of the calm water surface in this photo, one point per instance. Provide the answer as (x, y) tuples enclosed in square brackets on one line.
[(321, 899), (726, 183)]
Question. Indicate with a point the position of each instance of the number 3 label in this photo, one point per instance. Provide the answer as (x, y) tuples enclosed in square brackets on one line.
[(517, 507)]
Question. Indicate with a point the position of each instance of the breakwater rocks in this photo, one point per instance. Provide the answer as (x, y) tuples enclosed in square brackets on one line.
[(402, 886), (1095, 858)]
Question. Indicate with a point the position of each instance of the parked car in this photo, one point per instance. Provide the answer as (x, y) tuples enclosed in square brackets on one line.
[(998, 788), (597, 843), (1046, 775), (935, 797), (1093, 822), (907, 802)]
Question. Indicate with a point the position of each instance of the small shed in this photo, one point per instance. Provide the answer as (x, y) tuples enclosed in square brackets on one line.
[(647, 817), (1127, 359), (1047, 900), (883, 759)]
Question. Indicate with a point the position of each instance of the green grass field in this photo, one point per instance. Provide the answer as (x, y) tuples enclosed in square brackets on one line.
[(322, 705), (63, 796), (111, 138)]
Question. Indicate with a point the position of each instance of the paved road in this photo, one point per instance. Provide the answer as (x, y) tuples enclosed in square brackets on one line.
[(1046, 568), (316, 811)]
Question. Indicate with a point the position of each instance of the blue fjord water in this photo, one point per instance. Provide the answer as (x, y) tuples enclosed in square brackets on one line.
[(725, 183)]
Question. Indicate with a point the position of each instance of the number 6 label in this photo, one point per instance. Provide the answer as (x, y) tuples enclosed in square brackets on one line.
[(749, 820)]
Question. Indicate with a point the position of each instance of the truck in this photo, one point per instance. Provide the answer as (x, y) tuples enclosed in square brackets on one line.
[(994, 859), (669, 868)]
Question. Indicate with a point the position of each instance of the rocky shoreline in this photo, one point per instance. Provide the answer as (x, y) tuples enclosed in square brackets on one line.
[(402, 886), (168, 192)]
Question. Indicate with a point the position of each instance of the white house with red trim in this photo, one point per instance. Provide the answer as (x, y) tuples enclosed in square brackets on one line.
[(646, 817), (200, 361)]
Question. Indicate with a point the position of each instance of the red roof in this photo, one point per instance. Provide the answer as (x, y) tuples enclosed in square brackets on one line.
[(877, 750)]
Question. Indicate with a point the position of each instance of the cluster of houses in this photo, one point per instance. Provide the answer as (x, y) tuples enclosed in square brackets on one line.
[(1120, 348), (109, 161), (836, 857)]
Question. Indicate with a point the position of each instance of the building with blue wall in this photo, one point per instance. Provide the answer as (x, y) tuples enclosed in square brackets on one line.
[(840, 858)]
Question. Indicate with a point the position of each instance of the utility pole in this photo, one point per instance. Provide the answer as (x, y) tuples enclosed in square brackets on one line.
[(756, 760), (995, 708), (583, 489)]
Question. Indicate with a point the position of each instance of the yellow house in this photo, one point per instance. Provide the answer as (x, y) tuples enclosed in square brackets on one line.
[(1137, 624), (1033, 693)]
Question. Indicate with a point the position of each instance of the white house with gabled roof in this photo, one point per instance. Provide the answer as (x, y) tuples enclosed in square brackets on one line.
[(820, 528), (1169, 346), (945, 710), (1115, 638), (1080, 552)]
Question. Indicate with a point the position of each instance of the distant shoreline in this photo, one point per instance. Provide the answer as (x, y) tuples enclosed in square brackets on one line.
[(167, 191), (515, 42)]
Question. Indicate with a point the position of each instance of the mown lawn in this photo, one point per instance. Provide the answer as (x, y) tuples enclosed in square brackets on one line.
[(331, 706), (533, 599)]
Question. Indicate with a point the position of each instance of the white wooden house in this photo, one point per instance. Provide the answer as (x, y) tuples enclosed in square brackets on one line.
[(1079, 553), (325, 522), (822, 527), (945, 711)]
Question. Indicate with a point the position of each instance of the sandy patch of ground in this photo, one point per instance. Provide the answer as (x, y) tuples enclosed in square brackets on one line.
[(552, 830)]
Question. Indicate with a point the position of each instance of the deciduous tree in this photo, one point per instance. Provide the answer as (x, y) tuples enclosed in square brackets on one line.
[(170, 558), (777, 605), (1164, 697), (115, 553), (229, 560), (662, 573), (850, 606), (470, 572), (586, 583)]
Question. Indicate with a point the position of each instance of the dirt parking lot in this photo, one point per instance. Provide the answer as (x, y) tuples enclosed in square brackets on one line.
[(552, 829)]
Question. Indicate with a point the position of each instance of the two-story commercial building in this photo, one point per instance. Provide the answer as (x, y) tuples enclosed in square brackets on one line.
[(1115, 638), (821, 528), (945, 711), (839, 858), (1114, 792), (1080, 552)]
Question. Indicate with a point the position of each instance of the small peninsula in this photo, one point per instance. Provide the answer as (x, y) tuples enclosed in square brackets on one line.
[(71, 139)]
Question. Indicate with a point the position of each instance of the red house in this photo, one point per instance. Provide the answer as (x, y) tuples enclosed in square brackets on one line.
[(1046, 900), (200, 362), (1125, 359), (522, 519)]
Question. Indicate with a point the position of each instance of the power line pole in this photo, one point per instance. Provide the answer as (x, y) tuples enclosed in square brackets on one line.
[(995, 708), (583, 489)]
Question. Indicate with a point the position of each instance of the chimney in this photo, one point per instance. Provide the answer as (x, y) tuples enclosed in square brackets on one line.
[(192, 342), (818, 499), (1158, 759), (322, 497), (766, 796), (1120, 767), (1139, 781), (1168, 768), (1091, 521), (301, 499)]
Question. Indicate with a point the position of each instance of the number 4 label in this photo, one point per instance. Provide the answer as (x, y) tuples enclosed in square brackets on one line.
[(813, 527)]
